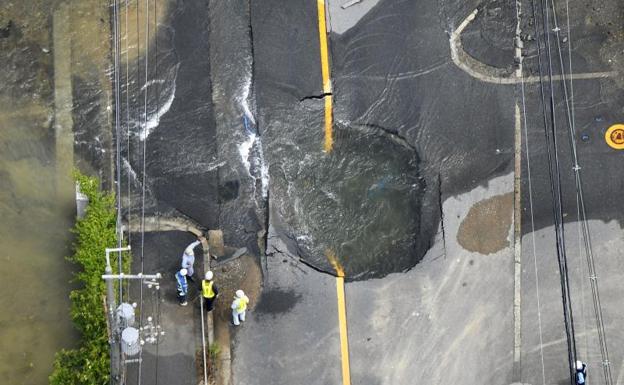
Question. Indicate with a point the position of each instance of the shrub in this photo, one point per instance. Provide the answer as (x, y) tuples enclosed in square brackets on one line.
[(89, 363)]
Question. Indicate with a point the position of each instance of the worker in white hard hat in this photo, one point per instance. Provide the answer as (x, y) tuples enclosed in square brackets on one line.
[(182, 286), (581, 373), (239, 307), (188, 259), (210, 292)]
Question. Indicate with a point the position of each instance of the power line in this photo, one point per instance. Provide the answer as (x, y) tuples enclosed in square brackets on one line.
[(116, 55), (528, 160), (157, 109), (580, 198), (555, 182), (129, 212), (144, 136), (565, 282), (129, 198)]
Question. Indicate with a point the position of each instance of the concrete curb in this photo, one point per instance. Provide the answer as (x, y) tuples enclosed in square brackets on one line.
[(209, 320), (153, 224), (63, 101), (489, 74)]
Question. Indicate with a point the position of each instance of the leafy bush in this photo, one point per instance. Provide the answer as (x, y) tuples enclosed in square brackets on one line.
[(89, 364)]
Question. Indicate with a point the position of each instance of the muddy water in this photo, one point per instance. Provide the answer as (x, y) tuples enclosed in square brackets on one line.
[(36, 193), (34, 237)]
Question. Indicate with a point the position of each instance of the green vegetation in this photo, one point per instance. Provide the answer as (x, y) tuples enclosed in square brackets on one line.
[(89, 363), (213, 350)]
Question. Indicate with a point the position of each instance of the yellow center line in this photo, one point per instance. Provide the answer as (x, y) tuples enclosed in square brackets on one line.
[(344, 339), (327, 89), (342, 318)]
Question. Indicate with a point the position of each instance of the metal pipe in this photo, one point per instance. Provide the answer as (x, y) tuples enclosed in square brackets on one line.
[(110, 276), (201, 310), (112, 250), (110, 299)]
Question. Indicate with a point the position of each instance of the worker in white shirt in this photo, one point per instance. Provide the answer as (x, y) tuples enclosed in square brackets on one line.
[(188, 259), (239, 307)]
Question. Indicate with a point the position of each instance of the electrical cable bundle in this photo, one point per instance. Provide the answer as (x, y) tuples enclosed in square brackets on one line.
[(554, 171)]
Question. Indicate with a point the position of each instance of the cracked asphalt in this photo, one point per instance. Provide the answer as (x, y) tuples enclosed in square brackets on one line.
[(448, 319), (415, 201)]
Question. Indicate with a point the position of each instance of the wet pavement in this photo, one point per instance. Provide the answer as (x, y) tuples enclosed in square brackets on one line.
[(449, 318), (290, 335), (172, 359), (390, 141), (426, 323), (226, 104)]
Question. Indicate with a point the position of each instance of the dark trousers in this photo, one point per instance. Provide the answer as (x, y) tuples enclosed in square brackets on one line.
[(209, 303), (182, 297)]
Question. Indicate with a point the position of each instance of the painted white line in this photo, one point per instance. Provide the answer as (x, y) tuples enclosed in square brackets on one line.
[(486, 73), (518, 210)]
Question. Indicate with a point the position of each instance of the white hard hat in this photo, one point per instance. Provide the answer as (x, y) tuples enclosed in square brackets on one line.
[(240, 293), (579, 365), (209, 275), (183, 271), (189, 251)]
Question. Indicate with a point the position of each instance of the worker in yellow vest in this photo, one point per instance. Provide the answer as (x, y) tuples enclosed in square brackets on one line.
[(239, 307), (209, 291)]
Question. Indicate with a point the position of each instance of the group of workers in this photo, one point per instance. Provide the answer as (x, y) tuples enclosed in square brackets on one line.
[(209, 290)]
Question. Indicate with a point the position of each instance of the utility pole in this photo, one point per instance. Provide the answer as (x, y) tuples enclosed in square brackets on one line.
[(115, 337)]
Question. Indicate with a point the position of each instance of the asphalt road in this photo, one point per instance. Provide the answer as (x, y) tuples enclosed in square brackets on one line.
[(449, 319), (172, 360), (291, 335), (423, 127), (426, 323)]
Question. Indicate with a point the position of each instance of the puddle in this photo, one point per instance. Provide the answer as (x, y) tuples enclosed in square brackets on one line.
[(485, 229), (276, 301)]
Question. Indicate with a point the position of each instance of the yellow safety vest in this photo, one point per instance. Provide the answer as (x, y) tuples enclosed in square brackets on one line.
[(242, 304), (207, 289)]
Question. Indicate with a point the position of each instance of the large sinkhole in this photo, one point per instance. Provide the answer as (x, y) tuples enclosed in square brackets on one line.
[(361, 203)]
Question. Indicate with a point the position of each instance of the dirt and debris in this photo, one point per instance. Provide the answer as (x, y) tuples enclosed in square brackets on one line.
[(238, 273), (486, 227)]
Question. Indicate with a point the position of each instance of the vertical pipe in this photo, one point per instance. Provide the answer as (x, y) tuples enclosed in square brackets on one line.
[(110, 299)]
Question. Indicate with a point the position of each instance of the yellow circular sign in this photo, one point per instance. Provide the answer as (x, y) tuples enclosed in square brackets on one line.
[(615, 136)]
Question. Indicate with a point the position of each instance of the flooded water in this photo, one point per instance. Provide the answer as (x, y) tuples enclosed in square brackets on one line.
[(35, 238), (39, 122)]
